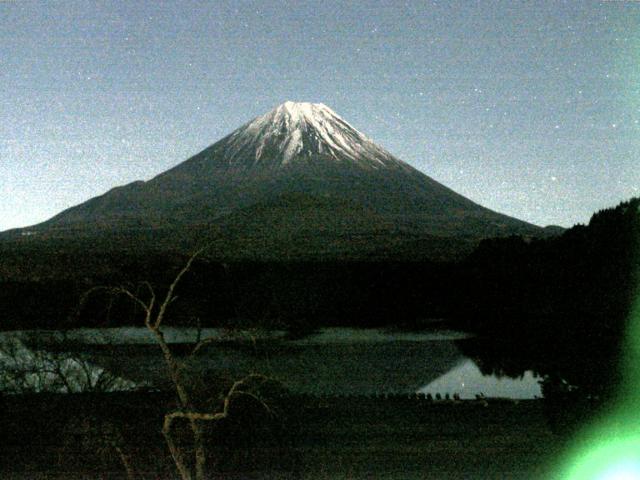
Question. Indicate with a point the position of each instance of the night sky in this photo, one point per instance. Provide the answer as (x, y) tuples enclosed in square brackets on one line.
[(529, 108)]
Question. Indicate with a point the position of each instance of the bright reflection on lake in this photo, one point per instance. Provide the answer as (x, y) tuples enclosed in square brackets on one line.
[(468, 381), (333, 361)]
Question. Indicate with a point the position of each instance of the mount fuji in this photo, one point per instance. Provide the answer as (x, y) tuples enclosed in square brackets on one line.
[(297, 179)]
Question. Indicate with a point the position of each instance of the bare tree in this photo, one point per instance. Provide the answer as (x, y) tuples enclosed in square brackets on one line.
[(190, 465)]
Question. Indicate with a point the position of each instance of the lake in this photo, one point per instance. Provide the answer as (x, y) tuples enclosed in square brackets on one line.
[(332, 361)]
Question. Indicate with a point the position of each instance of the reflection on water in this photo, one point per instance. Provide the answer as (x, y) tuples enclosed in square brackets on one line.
[(467, 381), (336, 361), (316, 366)]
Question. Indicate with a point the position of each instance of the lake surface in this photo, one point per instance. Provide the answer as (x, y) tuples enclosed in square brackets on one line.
[(334, 361)]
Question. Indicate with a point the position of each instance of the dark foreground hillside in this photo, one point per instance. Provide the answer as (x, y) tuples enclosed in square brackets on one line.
[(84, 436)]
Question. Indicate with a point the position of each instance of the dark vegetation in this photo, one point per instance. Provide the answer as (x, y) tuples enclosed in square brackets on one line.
[(76, 436), (583, 280), (272, 294), (559, 306)]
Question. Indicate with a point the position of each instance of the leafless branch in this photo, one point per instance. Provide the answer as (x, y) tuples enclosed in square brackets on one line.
[(154, 318), (168, 298)]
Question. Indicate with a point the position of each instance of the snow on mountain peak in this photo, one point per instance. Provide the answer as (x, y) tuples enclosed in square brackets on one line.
[(295, 129), (299, 112)]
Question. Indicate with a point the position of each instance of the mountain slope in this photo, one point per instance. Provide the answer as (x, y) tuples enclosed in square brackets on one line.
[(297, 151)]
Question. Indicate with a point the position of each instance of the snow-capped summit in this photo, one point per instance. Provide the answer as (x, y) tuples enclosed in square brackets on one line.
[(304, 130)]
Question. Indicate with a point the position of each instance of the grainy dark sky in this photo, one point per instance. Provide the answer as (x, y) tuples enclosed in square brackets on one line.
[(530, 108)]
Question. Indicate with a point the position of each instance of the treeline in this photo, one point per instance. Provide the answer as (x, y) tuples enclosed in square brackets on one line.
[(585, 277), (560, 306), (298, 296)]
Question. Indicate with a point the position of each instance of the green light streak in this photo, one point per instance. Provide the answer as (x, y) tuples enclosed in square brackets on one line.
[(609, 449), (610, 456)]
